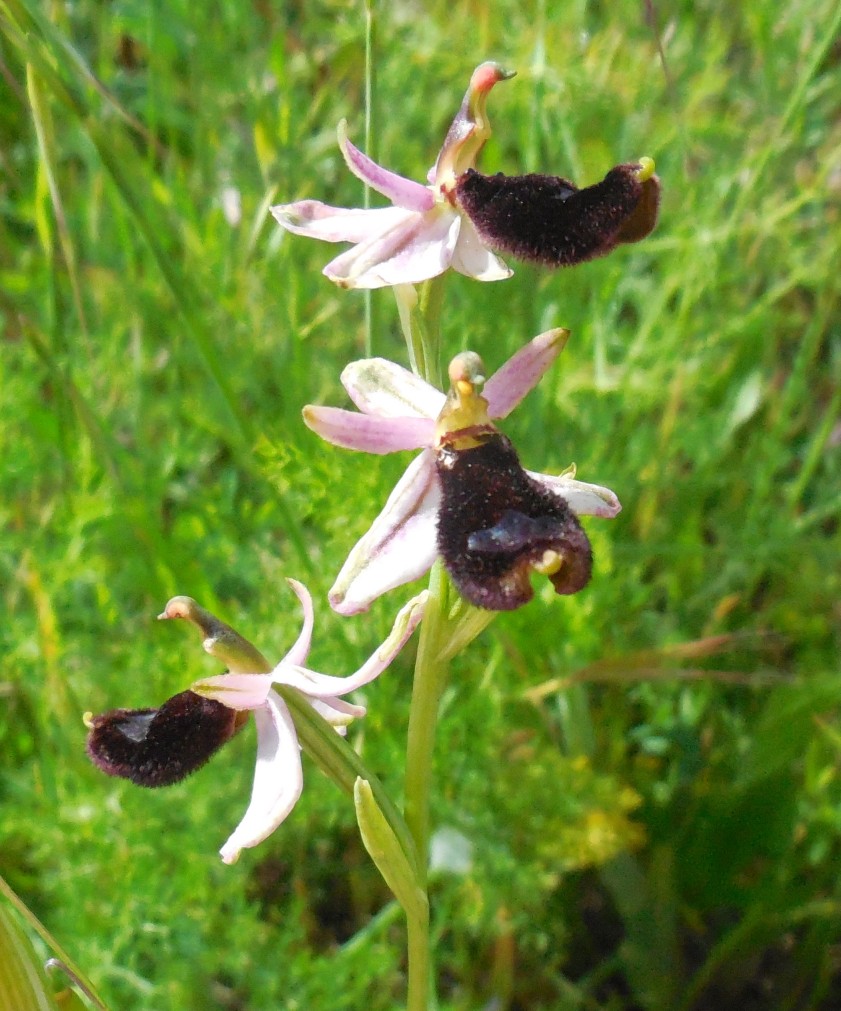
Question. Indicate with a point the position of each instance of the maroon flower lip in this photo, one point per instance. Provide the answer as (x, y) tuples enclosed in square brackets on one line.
[(496, 525), (159, 747), (549, 220)]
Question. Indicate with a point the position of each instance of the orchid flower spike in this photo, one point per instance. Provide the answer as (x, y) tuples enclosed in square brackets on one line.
[(465, 496), (423, 233), (461, 215), (158, 747)]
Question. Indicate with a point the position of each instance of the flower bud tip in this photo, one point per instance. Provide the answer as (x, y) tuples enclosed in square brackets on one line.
[(487, 74), (179, 607), (466, 368)]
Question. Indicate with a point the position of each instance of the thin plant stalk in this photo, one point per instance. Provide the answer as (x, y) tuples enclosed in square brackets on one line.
[(420, 963), (419, 318)]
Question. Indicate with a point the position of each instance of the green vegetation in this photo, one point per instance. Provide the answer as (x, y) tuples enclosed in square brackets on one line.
[(645, 778)]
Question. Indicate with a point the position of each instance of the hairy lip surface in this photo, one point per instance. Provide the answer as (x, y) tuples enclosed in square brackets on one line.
[(159, 747), (549, 220), (495, 524)]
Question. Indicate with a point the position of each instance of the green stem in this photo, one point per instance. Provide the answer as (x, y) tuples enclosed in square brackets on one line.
[(430, 301), (420, 963), (430, 679), (420, 317)]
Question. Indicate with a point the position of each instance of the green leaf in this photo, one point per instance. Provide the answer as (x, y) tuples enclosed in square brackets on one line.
[(387, 853), (23, 985)]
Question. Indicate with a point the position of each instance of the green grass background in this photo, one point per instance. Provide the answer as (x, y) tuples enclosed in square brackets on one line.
[(658, 825)]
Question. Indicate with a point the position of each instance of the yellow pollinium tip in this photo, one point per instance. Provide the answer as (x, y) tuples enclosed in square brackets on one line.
[(646, 169), (549, 564)]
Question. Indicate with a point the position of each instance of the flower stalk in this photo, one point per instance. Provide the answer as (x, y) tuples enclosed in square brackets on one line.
[(427, 688), (419, 309), (419, 317)]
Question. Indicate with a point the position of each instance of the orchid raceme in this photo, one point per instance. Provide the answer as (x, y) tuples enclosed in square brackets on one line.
[(398, 411), (424, 232), (159, 747)]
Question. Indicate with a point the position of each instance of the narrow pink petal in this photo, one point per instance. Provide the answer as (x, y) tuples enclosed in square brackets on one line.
[(407, 620), (365, 433), (584, 499), (236, 691), (400, 191), (337, 224), (522, 372), (399, 546), (474, 260), (378, 386), (278, 778), (412, 251), (324, 686), (298, 653)]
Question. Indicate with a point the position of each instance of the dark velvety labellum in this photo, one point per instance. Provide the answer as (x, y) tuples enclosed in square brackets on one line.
[(158, 747), (549, 220), (495, 523)]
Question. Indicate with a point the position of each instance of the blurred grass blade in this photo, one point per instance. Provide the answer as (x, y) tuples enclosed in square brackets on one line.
[(646, 902), (166, 571), (153, 222), (119, 163), (661, 664), (48, 156)]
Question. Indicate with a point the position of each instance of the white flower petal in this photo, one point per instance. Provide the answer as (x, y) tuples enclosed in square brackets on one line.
[(584, 499), (400, 191), (473, 259), (278, 778), (400, 545), (236, 691), (522, 372), (316, 220), (298, 653), (383, 388), (367, 433), (337, 712), (414, 250)]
